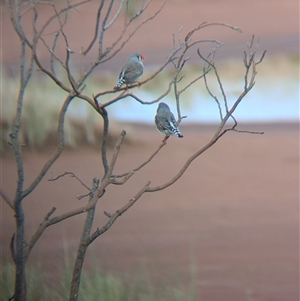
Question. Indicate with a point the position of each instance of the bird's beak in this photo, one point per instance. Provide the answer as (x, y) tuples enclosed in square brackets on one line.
[(143, 57)]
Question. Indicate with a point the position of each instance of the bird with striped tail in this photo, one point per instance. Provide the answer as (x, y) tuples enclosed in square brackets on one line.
[(132, 71), (165, 122)]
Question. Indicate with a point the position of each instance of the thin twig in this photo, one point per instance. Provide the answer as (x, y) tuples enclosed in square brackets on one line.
[(96, 29), (220, 131), (12, 248), (192, 82), (104, 141), (52, 51), (81, 196), (100, 47), (141, 165), (129, 94), (54, 220), (114, 181), (57, 152), (73, 176), (207, 86), (118, 213), (116, 153), (115, 17), (160, 69), (106, 54)]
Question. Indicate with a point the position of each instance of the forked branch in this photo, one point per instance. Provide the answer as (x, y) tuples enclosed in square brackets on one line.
[(118, 213), (250, 70)]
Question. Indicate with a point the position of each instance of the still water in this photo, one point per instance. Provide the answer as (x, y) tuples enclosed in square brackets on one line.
[(270, 100), (274, 98)]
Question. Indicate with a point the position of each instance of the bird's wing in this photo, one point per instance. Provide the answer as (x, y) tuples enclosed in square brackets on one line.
[(133, 70), (173, 120), (166, 123)]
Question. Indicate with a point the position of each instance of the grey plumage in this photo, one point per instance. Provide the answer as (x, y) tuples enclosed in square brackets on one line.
[(132, 70), (165, 121)]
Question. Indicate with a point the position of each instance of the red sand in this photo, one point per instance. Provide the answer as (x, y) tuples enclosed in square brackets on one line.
[(233, 215)]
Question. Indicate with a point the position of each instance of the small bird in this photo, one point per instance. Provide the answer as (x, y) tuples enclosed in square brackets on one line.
[(132, 70), (165, 122)]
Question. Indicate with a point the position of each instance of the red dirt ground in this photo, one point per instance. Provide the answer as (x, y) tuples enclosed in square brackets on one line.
[(234, 214)]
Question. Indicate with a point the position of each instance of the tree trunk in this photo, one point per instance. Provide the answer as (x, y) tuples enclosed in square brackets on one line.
[(75, 282), (20, 279)]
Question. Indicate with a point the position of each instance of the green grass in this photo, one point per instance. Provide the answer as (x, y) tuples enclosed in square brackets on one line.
[(95, 286)]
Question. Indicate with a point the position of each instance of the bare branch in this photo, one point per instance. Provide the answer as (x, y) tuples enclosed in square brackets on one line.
[(107, 214), (37, 234), (54, 220), (17, 122), (52, 50), (116, 153), (82, 248), (49, 73), (184, 168), (192, 82), (12, 248), (68, 52), (17, 24), (57, 14), (182, 60), (220, 132), (73, 176), (248, 132), (57, 152), (171, 58), (211, 94), (261, 58), (205, 24), (114, 181), (115, 16), (100, 192), (96, 29), (100, 48), (50, 213), (52, 54), (106, 55), (104, 142), (141, 165), (81, 196), (212, 66), (115, 216), (128, 94), (38, 36), (104, 20), (109, 49)]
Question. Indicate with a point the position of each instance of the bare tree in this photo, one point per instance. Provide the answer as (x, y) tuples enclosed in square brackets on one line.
[(108, 12)]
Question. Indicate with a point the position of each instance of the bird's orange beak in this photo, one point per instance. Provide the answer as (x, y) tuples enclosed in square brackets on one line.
[(143, 57)]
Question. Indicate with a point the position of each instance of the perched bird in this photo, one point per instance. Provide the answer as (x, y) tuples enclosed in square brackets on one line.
[(132, 70), (165, 121)]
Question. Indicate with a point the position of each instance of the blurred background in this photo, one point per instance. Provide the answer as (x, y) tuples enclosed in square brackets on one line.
[(275, 26), (228, 229)]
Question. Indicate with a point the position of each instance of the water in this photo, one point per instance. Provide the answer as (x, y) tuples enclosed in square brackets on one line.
[(274, 98), (268, 101)]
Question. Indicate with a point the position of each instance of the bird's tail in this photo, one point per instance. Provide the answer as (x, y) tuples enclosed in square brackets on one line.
[(120, 82), (177, 133)]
